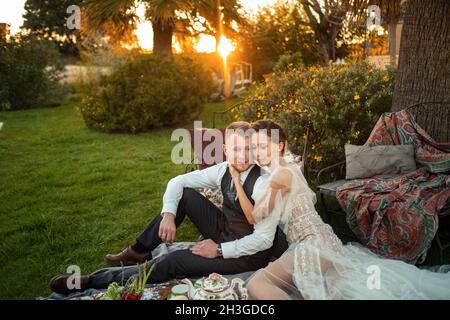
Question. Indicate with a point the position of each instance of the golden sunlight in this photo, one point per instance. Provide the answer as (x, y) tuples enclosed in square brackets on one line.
[(253, 6), (205, 43), (225, 47), (144, 34)]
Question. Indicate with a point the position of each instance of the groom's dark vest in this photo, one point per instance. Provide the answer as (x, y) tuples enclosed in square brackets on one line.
[(237, 223)]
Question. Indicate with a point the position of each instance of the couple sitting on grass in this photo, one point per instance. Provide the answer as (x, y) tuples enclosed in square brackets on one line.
[(268, 224)]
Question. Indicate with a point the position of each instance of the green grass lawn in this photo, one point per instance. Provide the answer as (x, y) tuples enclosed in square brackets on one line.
[(69, 195)]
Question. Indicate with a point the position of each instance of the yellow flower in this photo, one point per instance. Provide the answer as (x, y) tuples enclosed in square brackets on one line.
[(386, 78), (357, 97), (318, 158)]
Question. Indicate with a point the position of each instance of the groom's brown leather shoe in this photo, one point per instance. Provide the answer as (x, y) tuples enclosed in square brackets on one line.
[(59, 284), (128, 257)]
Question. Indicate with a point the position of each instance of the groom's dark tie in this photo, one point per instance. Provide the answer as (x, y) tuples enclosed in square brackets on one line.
[(232, 191)]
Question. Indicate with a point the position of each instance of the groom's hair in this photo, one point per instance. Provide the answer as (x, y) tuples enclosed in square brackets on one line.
[(238, 127)]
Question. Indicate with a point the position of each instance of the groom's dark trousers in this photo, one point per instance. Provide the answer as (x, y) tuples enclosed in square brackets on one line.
[(212, 224)]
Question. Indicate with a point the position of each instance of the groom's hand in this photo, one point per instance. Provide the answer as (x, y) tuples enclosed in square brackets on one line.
[(206, 248), (167, 228), (234, 173)]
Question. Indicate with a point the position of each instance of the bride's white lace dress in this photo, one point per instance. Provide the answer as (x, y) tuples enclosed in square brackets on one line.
[(318, 266)]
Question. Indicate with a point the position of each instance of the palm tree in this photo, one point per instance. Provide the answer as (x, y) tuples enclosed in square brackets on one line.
[(423, 63), (163, 14), (220, 15)]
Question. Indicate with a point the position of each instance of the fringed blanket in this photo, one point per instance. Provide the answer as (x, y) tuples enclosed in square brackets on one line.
[(396, 216)]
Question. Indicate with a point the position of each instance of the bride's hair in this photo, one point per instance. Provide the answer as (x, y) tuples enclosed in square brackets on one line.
[(269, 125)]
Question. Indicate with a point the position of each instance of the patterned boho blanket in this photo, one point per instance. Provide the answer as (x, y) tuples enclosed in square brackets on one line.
[(396, 216)]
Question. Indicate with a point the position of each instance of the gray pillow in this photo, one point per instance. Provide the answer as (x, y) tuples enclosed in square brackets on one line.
[(366, 162)]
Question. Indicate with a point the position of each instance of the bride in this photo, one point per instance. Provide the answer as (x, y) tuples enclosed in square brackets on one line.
[(317, 265)]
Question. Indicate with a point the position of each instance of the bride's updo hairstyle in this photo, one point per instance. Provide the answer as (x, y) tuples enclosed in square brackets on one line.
[(269, 125)]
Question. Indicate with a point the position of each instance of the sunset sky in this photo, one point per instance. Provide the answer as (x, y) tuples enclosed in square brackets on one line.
[(11, 10)]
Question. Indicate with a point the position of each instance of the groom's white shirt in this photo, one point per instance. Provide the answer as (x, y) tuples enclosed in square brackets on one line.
[(264, 232)]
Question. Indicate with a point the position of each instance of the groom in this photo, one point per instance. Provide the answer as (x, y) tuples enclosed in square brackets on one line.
[(231, 244)]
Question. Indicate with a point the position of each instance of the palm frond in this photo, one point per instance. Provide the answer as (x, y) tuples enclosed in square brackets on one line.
[(166, 10), (100, 12)]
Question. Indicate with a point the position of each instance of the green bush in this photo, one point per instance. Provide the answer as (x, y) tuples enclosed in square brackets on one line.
[(146, 92), (289, 61), (341, 103), (30, 70)]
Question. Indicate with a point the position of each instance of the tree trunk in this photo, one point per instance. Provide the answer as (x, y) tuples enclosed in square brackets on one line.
[(392, 31), (217, 36), (325, 32), (218, 25), (327, 43), (424, 62), (162, 38)]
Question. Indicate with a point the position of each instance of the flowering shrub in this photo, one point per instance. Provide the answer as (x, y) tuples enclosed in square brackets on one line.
[(341, 103)]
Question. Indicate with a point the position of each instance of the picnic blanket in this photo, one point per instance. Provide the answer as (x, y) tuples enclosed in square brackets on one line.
[(396, 216), (161, 250)]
